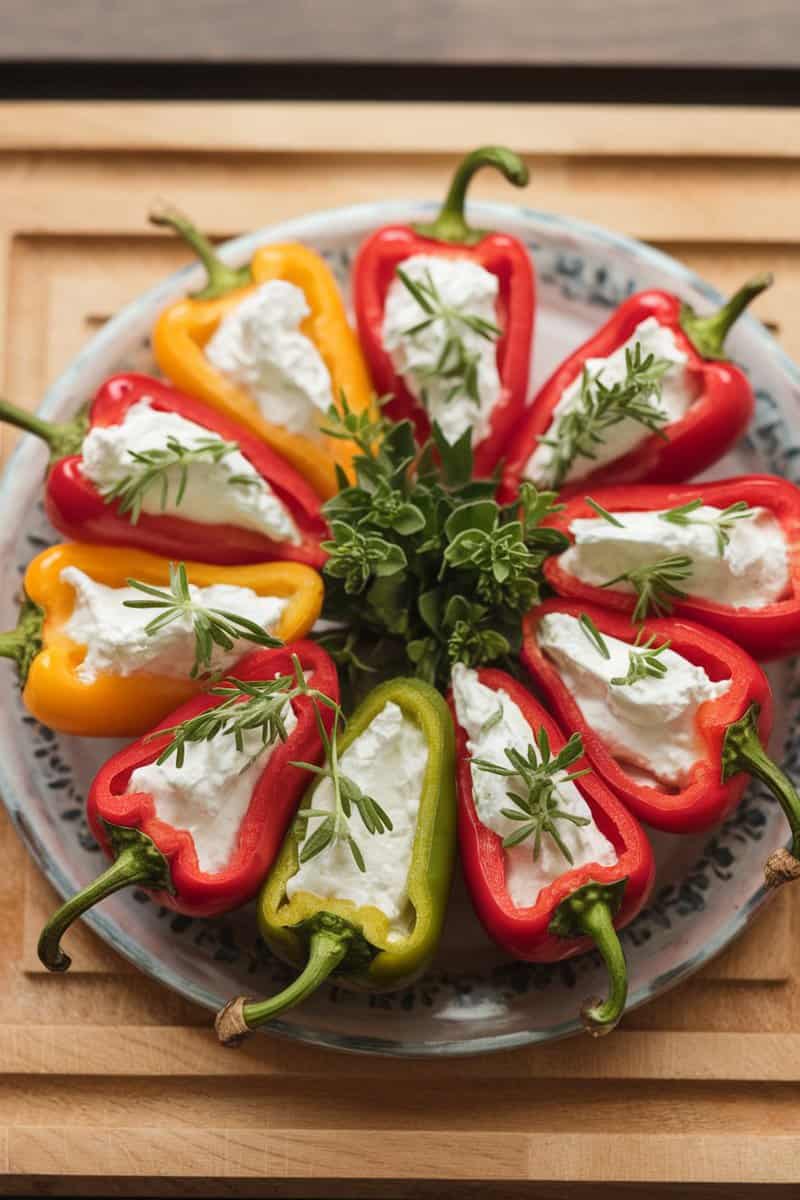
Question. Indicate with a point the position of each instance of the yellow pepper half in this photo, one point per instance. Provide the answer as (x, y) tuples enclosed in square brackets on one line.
[(182, 330), (125, 706)]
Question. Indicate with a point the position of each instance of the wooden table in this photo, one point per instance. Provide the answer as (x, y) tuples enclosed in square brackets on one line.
[(108, 1083)]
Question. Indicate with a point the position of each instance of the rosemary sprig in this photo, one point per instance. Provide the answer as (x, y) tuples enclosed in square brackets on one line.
[(644, 662), (656, 584), (537, 809), (603, 512), (593, 634), (456, 364), (212, 626), (247, 705), (347, 795), (151, 469), (634, 398), (722, 524)]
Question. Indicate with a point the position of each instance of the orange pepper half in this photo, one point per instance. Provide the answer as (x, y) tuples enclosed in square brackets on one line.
[(126, 706), (182, 330)]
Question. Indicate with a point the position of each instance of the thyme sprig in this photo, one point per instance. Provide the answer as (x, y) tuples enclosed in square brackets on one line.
[(334, 826), (656, 584), (537, 809), (212, 626), (456, 365), (247, 705), (634, 398), (157, 468), (423, 561), (721, 524), (644, 661)]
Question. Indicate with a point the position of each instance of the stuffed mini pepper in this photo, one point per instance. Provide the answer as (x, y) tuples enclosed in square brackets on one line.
[(649, 397), (725, 553), (445, 314), (196, 810), (270, 346), (110, 640), (157, 470), (673, 716), (360, 887), (553, 862)]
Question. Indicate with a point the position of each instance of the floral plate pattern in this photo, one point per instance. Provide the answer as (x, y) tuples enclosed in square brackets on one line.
[(473, 999)]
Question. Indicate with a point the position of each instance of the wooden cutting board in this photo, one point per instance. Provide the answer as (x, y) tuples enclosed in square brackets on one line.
[(110, 1084)]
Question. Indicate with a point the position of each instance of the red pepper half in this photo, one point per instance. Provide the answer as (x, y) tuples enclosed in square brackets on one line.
[(583, 907), (151, 854), (734, 728), (451, 237), (715, 420), (769, 632), (78, 510)]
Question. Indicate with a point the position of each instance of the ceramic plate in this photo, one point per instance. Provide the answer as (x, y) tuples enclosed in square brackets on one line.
[(473, 998)]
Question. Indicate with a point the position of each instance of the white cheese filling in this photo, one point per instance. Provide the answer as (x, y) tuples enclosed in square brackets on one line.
[(677, 393), (115, 638), (260, 346), (209, 795), (477, 707), (752, 571), (227, 492), (388, 762), (464, 288), (650, 724)]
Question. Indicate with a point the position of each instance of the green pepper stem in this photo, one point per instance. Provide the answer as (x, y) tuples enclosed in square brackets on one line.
[(221, 277), (138, 862), (601, 1016), (742, 750), (708, 334), (62, 438), (239, 1017), (24, 643), (451, 225)]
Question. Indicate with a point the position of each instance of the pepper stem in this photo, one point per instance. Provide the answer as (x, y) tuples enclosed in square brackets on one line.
[(590, 912), (137, 861), (62, 438), (742, 751), (451, 224), (239, 1017), (24, 643), (221, 277), (708, 334)]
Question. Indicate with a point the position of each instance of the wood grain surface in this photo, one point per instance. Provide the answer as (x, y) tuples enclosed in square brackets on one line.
[(110, 1084), (534, 32)]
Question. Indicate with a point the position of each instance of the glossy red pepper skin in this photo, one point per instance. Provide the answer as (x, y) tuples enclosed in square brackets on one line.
[(713, 423), (77, 509), (275, 798), (705, 799), (524, 932), (501, 255), (769, 632)]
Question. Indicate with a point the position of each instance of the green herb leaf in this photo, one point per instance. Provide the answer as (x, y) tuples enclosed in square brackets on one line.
[(644, 662), (158, 469), (656, 584), (721, 524)]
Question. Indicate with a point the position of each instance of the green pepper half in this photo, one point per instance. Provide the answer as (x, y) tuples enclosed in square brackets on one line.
[(324, 937)]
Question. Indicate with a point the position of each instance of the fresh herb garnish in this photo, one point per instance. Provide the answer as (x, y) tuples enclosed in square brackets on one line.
[(212, 626), (423, 557), (603, 512), (594, 635), (247, 705), (634, 398), (334, 826), (721, 524), (151, 469), (644, 662), (456, 366), (537, 808), (656, 584)]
